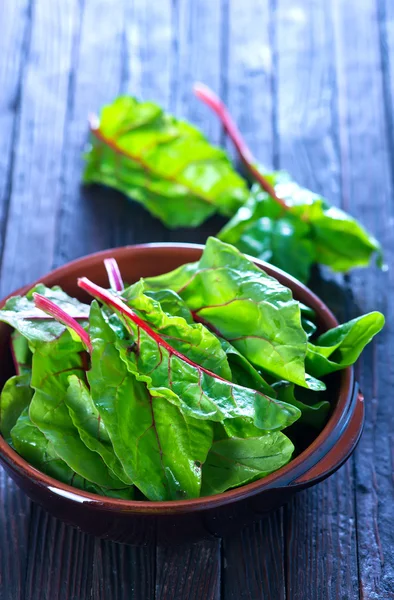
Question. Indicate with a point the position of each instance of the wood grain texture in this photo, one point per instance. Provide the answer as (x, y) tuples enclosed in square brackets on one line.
[(60, 560), (37, 167), (14, 40), (87, 220), (320, 530), (360, 57), (320, 523), (14, 506), (14, 539), (197, 55), (123, 572), (189, 571), (253, 567), (250, 76)]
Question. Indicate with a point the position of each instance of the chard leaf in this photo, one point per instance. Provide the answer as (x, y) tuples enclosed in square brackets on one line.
[(91, 428), (313, 414), (21, 313), (234, 462), (170, 303), (21, 353), (308, 230), (191, 339), (198, 392), (340, 347), (161, 449), (243, 372), (53, 363), (15, 397), (241, 303), (164, 163), (34, 447)]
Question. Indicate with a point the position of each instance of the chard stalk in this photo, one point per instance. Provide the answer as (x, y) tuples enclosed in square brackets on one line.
[(209, 98), (57, 313), (114, 276)]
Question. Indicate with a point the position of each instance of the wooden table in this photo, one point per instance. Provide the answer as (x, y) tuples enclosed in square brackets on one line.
[(311, 85)]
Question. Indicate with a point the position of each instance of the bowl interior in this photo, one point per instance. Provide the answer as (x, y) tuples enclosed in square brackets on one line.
[(153, 259)]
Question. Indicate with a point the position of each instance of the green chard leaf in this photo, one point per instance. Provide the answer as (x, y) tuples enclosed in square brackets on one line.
[(313, 414), (21, 353), (233, 462), (15, 397), (197, 391), (91, 428), (243, 372), (241, 303), (34, 447), (164, 163), (308, 230), (161, 449), (33, 324), (53, 364), (340, 347)]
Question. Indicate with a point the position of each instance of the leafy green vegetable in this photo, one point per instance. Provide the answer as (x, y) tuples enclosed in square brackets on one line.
[(241, 303), (21, 313), (313, 414), (165, 164), (179, 385), (286, 224), (234, 462), (161, 450), (91, 428), (198, 392), (340, 347), (30, 443), (308, 231), (21, 353), (53, 363), (243, 372), (15, 397)]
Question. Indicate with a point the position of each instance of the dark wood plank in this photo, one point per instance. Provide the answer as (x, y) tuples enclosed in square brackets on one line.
[(36, 176), (189, 571), (35, 187), (249, 80), (123, 572), (320, 522), (198, 30), (361, 53), (321, 541), (60, 567), (253, 561), (14, 539), (14, 40), (88, 219), (14, 505), (253, 558)]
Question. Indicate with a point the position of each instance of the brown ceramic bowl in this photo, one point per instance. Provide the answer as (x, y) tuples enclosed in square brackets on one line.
[(142, 521)]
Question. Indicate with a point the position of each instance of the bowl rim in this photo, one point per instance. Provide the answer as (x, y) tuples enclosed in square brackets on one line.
[(300, 465)]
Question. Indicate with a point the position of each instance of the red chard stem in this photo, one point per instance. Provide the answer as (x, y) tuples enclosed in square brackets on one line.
[(60, 315), (114, 276), (106, 297), (207, 96)]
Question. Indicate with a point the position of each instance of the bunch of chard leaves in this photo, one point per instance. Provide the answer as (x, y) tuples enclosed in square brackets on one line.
[(181, 385), (164, 163), (168, 166), (307, 231)]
